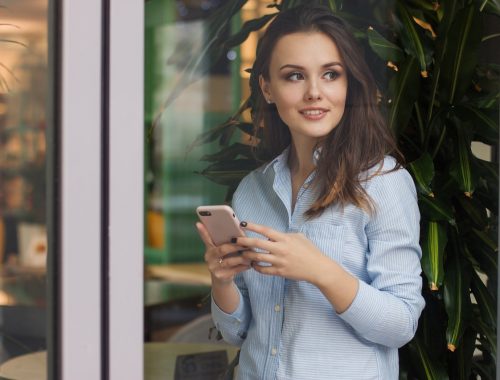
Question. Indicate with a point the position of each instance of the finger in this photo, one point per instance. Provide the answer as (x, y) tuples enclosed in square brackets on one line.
[(230, 249), (259, 257), (266, 245), (262, 230), (214, 254), (234, 261), (264, 269), (241, 268), (202, 231)]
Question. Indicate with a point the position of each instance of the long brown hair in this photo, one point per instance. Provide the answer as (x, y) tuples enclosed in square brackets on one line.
[(362, 138)]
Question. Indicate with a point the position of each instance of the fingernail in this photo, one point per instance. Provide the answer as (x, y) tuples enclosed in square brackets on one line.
[(243, 224), (234, 240)]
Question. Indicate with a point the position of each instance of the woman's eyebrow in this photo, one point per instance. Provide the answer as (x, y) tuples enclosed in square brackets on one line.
[(298, 67)]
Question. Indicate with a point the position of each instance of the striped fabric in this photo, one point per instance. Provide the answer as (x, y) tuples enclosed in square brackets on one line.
[(288, 329)]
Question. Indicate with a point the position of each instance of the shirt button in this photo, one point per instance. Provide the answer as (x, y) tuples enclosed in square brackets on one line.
[(277, 308), (274, 351)]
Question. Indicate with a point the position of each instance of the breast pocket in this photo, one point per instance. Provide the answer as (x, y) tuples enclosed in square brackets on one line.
[(329, 238)]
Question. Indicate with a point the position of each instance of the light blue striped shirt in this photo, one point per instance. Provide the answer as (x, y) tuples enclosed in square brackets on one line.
[(288, 329)]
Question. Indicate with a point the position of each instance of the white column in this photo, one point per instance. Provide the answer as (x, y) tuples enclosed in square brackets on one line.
[(80, 157), (126, 189)]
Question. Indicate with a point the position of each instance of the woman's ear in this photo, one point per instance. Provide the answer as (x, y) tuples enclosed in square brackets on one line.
[(264, 87)]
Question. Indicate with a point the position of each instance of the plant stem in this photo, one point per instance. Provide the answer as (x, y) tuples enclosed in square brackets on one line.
[(420, 123), (440, 142), (483, 5), (489, 37)]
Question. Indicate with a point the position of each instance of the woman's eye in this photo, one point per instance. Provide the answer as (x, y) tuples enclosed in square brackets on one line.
[(331, 75), (294, 76)]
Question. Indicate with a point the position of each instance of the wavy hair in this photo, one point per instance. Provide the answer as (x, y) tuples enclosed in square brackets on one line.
[(362, 138)]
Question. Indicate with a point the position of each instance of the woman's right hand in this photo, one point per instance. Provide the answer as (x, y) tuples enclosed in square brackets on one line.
[(223, 261)]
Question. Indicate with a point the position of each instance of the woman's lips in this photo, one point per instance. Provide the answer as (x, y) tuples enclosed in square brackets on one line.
[(314, 113)]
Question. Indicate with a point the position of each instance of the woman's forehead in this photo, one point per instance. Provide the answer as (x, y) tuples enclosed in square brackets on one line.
[(305, 48)]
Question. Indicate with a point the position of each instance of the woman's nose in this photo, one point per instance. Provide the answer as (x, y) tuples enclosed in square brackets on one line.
[(313, 92)]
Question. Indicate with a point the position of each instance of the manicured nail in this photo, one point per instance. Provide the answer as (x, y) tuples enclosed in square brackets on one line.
[(234, 240), (243, 224)]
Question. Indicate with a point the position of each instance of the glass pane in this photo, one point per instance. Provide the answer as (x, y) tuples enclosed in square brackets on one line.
[(199, 97), (23, 236)]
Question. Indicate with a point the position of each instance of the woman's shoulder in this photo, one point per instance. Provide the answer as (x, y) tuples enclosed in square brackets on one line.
[(389, 173), (386, 165)]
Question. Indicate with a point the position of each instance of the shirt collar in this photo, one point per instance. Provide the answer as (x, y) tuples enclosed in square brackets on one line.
[(282, 159)]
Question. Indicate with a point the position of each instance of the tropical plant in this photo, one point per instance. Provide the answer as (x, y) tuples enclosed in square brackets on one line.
[(439, 97), (4, 85)]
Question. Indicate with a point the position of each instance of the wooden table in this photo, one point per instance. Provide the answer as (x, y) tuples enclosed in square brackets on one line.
[(180, 273), (159, 361)]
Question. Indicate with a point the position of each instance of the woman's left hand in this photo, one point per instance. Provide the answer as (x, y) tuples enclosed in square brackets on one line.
[(290, 255)]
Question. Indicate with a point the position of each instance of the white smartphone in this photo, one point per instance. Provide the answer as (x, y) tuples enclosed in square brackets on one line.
[(221, 223)]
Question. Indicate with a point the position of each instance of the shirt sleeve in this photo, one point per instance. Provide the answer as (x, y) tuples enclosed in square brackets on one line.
[(386, 309), (233, 327)]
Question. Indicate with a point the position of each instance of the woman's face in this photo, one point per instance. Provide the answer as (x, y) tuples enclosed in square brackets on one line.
[(308, 84)]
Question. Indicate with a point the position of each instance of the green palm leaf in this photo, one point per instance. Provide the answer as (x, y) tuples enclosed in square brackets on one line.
[(435, 209), (229, 173), (485, 300), (403, 92), (414, 37), (423, 173), (486, 128), (490, 6), (460, 54), (487, 335), (462, 358), (462, 169), (486, 239), (433, 244), (383, 47), (247, 28), (476, 213), (428, 367), (456, 295)]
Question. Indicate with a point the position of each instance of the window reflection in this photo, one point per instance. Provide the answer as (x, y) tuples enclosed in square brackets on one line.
[(177, 281), (174, 34), (23, 237)]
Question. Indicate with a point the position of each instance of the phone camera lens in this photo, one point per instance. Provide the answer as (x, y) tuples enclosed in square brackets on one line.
[(205, 213)]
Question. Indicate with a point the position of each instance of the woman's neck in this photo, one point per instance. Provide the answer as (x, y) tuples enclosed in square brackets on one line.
[(300, 160), (301, 164)]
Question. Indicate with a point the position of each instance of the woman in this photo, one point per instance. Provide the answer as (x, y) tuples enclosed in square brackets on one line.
[(327, 283)]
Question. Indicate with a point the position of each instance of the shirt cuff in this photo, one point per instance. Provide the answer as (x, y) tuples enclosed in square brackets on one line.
[(221, 318)]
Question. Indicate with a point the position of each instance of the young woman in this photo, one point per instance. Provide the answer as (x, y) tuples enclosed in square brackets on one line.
[(327, 284)]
